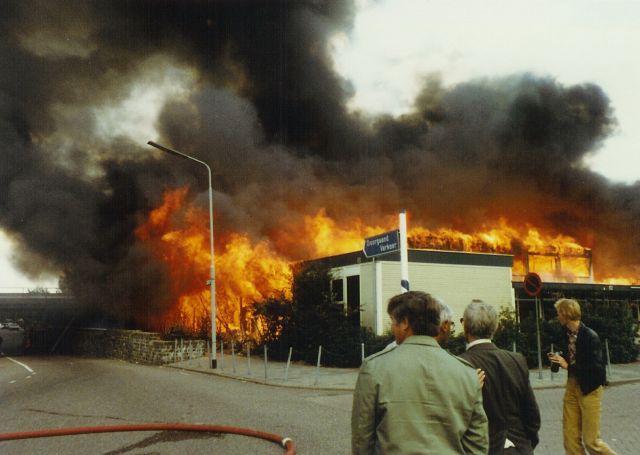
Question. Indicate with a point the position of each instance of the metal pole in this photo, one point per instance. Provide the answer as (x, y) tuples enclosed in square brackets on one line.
[(318, 364), (404, 254), (248, 360), (606, 345), (538, 337), (233, 356), (266, 376), (286, 370), (212, 277), (550, 370), (222, 354), (362, 352)]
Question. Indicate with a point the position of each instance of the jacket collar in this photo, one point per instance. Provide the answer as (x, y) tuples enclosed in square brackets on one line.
[(421, 339), (483, 345), (581, 328)]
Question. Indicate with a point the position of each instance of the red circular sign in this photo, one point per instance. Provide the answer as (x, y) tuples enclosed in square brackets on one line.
[(532, 284)]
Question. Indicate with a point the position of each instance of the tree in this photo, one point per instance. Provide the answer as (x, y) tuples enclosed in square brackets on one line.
[(311, 319)]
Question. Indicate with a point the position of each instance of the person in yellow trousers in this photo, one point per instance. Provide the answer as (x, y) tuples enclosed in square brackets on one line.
[(586, 377)]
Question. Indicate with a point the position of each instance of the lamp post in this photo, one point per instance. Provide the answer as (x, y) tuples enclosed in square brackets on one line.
[(212, 279)]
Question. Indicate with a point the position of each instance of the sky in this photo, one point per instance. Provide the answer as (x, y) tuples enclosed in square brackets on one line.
[(395, 44)]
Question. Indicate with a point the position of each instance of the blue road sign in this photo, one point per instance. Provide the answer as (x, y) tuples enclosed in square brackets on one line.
[(382, 244)]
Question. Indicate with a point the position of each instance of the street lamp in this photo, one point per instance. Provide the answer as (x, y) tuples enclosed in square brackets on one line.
[(212, 279)]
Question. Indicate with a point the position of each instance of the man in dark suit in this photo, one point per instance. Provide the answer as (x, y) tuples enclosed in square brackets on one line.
[(508, 400)]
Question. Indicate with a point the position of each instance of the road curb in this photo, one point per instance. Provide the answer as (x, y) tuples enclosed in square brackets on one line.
[(262, 381), (273, 383)]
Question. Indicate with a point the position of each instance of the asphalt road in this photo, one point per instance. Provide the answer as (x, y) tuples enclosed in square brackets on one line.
[(58, 392), (71, 392)]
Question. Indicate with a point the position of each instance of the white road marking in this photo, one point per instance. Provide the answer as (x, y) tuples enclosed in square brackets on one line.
[(26, 367)]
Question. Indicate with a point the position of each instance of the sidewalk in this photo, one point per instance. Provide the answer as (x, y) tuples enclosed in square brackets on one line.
[(344, 379)]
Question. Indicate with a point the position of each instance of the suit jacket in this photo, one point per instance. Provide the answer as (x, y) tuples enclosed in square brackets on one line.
[(508, 398), (589, 368), (416, 398)]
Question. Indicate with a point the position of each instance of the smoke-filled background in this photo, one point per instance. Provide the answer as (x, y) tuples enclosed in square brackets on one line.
[(250, 87)]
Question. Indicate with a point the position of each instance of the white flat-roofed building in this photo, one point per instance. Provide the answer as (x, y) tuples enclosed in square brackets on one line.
[(454, 277)]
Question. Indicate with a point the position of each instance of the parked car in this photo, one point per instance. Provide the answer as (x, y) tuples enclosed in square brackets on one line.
[(12, 326)]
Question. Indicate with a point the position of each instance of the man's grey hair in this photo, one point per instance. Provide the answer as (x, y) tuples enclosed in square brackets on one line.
[(445, 314), (480, 319)]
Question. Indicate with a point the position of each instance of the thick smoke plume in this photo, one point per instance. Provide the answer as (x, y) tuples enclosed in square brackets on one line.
[(267, 110)]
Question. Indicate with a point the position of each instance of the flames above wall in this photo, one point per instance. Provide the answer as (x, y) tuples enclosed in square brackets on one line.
[(247, 272)]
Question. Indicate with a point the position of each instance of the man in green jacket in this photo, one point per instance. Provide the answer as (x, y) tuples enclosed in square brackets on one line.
[(416, 398)]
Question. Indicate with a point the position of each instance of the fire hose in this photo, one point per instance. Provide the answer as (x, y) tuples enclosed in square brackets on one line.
[(286, 443)]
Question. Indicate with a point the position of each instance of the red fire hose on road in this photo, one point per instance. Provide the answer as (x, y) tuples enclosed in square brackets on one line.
[(287, 443)]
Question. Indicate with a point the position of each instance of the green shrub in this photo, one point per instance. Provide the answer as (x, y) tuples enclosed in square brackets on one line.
[(374, 343), (613, 321), (312, 319)]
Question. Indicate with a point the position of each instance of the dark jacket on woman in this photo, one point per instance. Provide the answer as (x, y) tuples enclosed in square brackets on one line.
[(589, 368)]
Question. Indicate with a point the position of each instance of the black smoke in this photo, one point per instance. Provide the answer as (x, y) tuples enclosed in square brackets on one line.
[(268, 111)]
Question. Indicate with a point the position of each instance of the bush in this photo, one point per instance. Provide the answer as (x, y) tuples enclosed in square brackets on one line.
[(508, 331), (456, 344), (274, 314), (613, 321), (312, 319), (374, 343)]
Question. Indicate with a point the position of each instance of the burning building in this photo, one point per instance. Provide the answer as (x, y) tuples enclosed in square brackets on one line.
[(483, 266), (250, 88)]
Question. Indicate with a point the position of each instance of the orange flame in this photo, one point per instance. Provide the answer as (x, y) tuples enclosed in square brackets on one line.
[(329, 239), (249, 271), (555, 258), (245, 273)]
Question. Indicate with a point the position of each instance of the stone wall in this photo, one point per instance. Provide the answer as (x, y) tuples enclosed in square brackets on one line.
[(135, 346)]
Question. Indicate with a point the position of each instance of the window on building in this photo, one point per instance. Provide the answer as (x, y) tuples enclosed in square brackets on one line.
[(337, 290)]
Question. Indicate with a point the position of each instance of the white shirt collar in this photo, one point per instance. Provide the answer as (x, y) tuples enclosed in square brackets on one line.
[(478, 341)]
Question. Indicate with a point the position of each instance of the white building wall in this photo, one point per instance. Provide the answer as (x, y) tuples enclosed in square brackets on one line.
[(368, 295), (456, 285)]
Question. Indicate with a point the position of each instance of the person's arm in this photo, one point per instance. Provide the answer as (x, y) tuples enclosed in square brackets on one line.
[(363, 424), (475, 440), (595, 366), (597, 358)]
